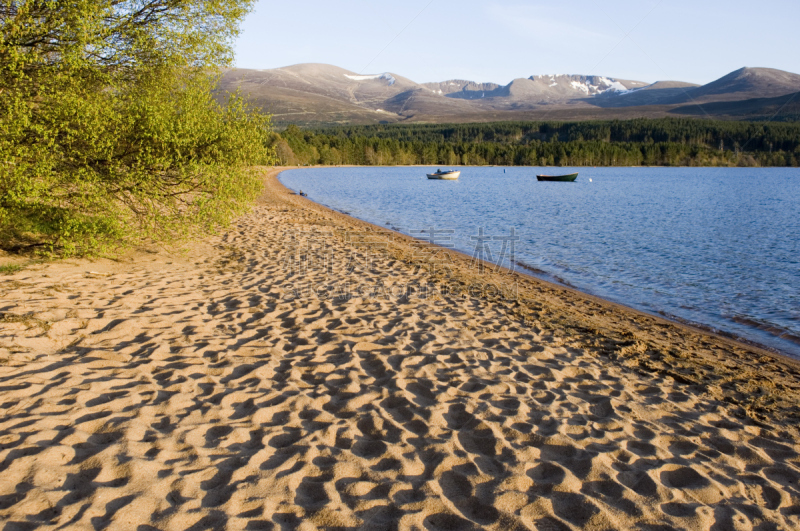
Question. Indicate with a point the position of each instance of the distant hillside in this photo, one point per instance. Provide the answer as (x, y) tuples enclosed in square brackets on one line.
[(658, 93), (747, 83), (783, 108), (457, 88), (318, 94)]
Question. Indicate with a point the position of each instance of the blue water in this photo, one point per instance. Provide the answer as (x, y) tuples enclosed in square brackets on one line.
[(718, 247)]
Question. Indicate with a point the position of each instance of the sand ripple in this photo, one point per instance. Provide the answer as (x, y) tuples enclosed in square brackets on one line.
[(204, 392)]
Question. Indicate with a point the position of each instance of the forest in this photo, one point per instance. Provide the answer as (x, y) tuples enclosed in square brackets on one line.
[(640, 142)]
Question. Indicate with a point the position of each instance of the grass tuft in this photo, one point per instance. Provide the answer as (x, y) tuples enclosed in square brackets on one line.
[(28, 320), (10, 269)]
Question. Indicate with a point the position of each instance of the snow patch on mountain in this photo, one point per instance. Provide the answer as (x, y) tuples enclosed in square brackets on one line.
[(612, 85), (589, 85), (580, 86), (603, 84), (388, 77)]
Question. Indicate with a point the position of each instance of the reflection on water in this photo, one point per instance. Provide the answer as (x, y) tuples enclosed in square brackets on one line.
[(714, 246)]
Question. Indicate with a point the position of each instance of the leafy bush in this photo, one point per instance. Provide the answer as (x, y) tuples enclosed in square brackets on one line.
[(109, 131)]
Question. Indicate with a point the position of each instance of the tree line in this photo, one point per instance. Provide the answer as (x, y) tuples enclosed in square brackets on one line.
[(648, 142)]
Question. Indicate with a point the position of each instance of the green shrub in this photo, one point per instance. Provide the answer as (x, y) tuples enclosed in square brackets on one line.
[(109, 131)]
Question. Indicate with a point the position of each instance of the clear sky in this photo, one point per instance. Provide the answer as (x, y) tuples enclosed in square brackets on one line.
[(498, 40)]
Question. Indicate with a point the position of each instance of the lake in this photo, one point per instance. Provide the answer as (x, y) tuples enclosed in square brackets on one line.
[(719, 247)]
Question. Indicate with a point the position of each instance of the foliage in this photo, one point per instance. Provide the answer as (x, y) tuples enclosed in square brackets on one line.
[(109, 131), (10, 269), (662, 142)]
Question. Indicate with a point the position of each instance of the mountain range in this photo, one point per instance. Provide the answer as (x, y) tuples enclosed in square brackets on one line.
[(318, 94)]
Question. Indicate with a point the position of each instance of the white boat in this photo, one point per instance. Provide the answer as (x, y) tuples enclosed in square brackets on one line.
[(448, 175)]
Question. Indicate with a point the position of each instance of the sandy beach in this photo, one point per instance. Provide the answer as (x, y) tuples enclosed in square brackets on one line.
[(306, 370)]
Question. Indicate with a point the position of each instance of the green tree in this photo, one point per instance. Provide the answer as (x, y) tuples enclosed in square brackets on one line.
[(109, 131)]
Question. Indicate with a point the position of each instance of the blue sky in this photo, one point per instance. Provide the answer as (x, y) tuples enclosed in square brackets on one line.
[(646, 40)]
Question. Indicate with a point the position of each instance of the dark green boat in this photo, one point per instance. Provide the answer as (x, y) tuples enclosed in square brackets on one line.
[(560, 178)]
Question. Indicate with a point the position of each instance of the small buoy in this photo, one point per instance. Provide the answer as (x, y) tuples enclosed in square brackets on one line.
[(590, 179)]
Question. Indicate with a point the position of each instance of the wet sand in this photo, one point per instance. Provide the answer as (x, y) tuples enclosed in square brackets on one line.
[(308, 370)]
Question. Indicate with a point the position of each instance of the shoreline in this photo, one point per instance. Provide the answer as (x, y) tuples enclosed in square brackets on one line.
[(631, 318), (550, 279), (212, 390)]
